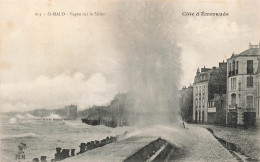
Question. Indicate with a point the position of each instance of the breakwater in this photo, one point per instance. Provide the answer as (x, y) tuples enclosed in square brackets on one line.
[(112, 123), (147, 151), (62, 154), (156, 151)]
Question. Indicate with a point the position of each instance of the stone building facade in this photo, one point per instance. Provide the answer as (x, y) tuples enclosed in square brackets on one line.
[(258, 90), (242, 84), (186, 103), (207, 83), (217, 109)]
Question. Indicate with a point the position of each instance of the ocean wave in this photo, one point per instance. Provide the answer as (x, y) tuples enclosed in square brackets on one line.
[(71, 123), (19, 135), (19, 116), (13, 120), (53, 116), (28, 115)]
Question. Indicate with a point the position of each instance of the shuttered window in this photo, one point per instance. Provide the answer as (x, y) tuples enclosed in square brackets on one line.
[(250, 81), (249, 101)]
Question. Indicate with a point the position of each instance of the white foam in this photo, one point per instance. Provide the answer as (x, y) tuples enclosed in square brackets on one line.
[(175, 134), (19, 116), (19, 135), (28, 115), (13, 120), (53, 116)]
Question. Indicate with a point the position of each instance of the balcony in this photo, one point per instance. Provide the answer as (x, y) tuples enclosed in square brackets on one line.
[(211, 109), (233, 72), (250, 70), (233, 106), (236, 71)]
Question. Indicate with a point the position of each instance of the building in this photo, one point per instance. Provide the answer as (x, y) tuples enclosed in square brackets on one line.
[(71, 112), (242, 85), (207, 83), (217, 109), (186, 103), (258, 90)]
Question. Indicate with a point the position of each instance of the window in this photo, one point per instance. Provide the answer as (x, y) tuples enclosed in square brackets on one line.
[(233, 67), (258, 89), (196, 103), (249, 101), (249, 66), (233, 99), (236, 68), (233, 83), (250, 81), (229, 69)]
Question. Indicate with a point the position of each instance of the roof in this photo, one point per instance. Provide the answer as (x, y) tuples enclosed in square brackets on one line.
[(248, 52), (218, 97)]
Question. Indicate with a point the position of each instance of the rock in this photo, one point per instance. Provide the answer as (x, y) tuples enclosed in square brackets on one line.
[(82, 147), (57, 155), (88, 146), (97, 143), (65, 154), (72, 152), (58, 149), (43, 159)]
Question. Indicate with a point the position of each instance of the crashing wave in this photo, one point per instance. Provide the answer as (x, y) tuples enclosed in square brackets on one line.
[(19, 135), (13, 120), (28, 115), (53, 116), (19, 116)]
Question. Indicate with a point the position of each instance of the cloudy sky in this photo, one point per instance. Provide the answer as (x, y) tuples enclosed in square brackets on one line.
[(48, 62)]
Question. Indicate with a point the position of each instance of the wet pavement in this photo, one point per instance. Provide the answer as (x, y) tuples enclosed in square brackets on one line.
[(200, 146), (117, 151), (204, 147), (248, 140)]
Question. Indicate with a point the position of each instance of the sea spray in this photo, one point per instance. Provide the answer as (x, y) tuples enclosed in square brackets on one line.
[(175, 134), (150, 60)]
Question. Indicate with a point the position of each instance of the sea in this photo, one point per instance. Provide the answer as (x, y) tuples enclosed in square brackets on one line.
[(43, 136)]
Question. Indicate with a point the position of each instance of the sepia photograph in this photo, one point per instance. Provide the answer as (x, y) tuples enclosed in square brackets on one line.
[(129, 80)]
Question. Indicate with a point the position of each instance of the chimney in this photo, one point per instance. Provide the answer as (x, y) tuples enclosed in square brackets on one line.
[(198, 71)]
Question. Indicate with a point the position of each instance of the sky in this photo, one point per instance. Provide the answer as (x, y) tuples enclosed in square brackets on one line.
[(50, 62)]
